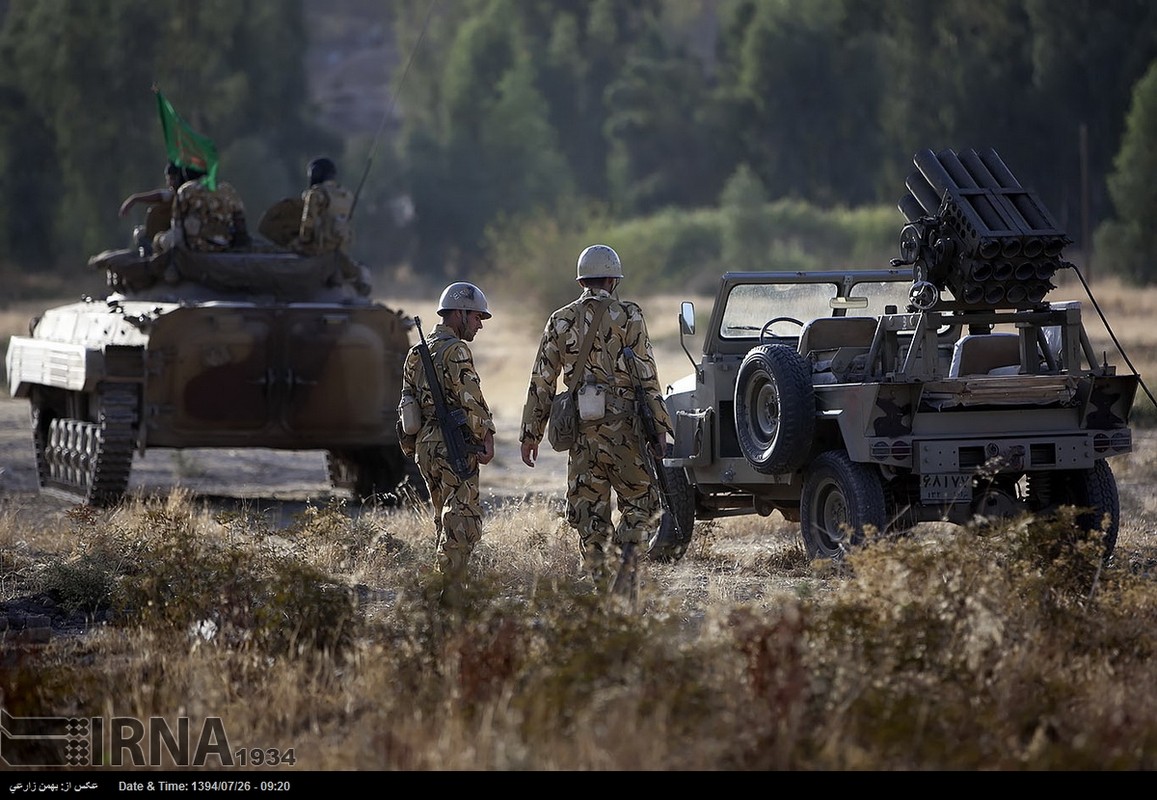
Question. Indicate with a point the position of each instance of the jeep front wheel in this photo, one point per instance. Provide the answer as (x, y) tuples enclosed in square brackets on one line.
[(841, 499), (775, 409)]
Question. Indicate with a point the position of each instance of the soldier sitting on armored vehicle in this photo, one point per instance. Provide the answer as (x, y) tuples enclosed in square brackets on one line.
[(317, 224), (204, 241), (158, 218), (325, 214), (208, 220)]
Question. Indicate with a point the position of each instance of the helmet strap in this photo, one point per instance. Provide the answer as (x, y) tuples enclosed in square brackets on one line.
[(458, 315)]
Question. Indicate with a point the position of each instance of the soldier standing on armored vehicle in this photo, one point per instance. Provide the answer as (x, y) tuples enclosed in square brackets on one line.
[(453, 483), (609, 452)]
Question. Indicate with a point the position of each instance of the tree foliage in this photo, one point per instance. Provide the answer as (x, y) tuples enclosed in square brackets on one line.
[(1130, 239), (519, 109)]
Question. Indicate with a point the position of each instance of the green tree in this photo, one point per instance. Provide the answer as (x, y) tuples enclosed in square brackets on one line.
[(27, 178), (802, 85), (1087, 58), (746, 238), (659, 130), (1127, 242), (494, 153)]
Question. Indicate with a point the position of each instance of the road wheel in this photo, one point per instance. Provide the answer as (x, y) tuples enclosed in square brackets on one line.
[(382, 474), (86, 460), (670, 542), (775, 409), (841, 500)]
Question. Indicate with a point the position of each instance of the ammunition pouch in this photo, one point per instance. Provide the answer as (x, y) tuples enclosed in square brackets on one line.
[(562, 426)]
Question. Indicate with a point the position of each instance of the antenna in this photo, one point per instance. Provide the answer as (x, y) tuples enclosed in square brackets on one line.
[(390, 108)]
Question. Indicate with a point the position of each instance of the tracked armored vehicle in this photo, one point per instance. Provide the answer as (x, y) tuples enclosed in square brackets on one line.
[(253, 348), (945, 387)]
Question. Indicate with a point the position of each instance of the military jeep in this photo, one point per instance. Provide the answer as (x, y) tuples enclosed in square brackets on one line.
[(944, 387)]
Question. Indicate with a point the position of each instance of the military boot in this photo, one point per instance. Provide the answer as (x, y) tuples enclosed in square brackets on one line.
[(627, 581)]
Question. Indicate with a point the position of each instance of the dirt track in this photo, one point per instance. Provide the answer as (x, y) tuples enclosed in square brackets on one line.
[(279, 482)]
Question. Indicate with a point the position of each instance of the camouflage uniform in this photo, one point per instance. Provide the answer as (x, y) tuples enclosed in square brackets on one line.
[(206, 217), (325, 219), (457, 508), (608, 453)]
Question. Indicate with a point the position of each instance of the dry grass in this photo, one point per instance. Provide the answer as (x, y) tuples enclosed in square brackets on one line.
[(942, 650)]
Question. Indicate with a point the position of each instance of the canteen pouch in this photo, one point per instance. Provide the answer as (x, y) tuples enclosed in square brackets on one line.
[(592, 402), (410, 413), (562, 426)]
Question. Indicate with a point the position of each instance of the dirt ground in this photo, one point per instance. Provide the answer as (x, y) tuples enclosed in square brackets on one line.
[(279, 482)]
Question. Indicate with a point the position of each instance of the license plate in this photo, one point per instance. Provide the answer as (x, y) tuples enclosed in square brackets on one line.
[(950, 488)]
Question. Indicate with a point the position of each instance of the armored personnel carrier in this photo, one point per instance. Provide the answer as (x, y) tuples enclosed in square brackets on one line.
[(946, 387), (250, 348)]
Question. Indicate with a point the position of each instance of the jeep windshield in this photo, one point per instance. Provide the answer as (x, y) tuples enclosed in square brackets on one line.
[(803, 297)]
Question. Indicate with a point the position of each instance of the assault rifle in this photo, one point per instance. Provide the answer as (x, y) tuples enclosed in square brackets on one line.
[(650, 443), (455, 432)]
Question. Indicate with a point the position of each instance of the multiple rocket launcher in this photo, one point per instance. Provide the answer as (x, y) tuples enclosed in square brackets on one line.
[(975, 231)]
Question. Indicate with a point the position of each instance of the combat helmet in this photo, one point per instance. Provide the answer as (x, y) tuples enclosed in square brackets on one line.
[(599, 261), (464, 296)]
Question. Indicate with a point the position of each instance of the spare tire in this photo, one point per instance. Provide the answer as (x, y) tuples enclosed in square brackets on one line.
[(775, 409)]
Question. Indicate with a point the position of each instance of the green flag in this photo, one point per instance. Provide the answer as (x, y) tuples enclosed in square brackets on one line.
[(186, 147)]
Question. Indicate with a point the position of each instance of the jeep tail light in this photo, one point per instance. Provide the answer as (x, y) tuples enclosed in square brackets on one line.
[(898, 450)]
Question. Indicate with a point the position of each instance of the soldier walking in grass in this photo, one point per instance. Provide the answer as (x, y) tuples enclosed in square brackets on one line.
[(453, 488), (609, 452)]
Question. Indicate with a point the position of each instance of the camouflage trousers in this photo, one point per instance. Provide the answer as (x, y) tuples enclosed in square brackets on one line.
[(605, 458), (457, 510)]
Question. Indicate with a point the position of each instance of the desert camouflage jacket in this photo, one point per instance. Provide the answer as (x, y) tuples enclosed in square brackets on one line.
[(454, 363), (325, 219), (622, 326), (206, 217)]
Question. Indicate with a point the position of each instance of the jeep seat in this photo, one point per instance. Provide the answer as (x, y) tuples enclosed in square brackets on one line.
[(981, 354), (837, 347), (832, 333)]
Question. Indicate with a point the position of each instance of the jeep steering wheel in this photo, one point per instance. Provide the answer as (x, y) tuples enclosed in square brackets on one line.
[(765, 332)]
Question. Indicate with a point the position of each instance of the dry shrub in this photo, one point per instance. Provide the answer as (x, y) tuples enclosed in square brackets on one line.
[(1005, 650), (1003, 647)]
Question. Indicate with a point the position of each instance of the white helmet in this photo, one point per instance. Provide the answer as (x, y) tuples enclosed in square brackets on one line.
[(464, 296), (599, 261)]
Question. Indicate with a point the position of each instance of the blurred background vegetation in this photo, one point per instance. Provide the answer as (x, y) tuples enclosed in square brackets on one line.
[(499, 137)]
